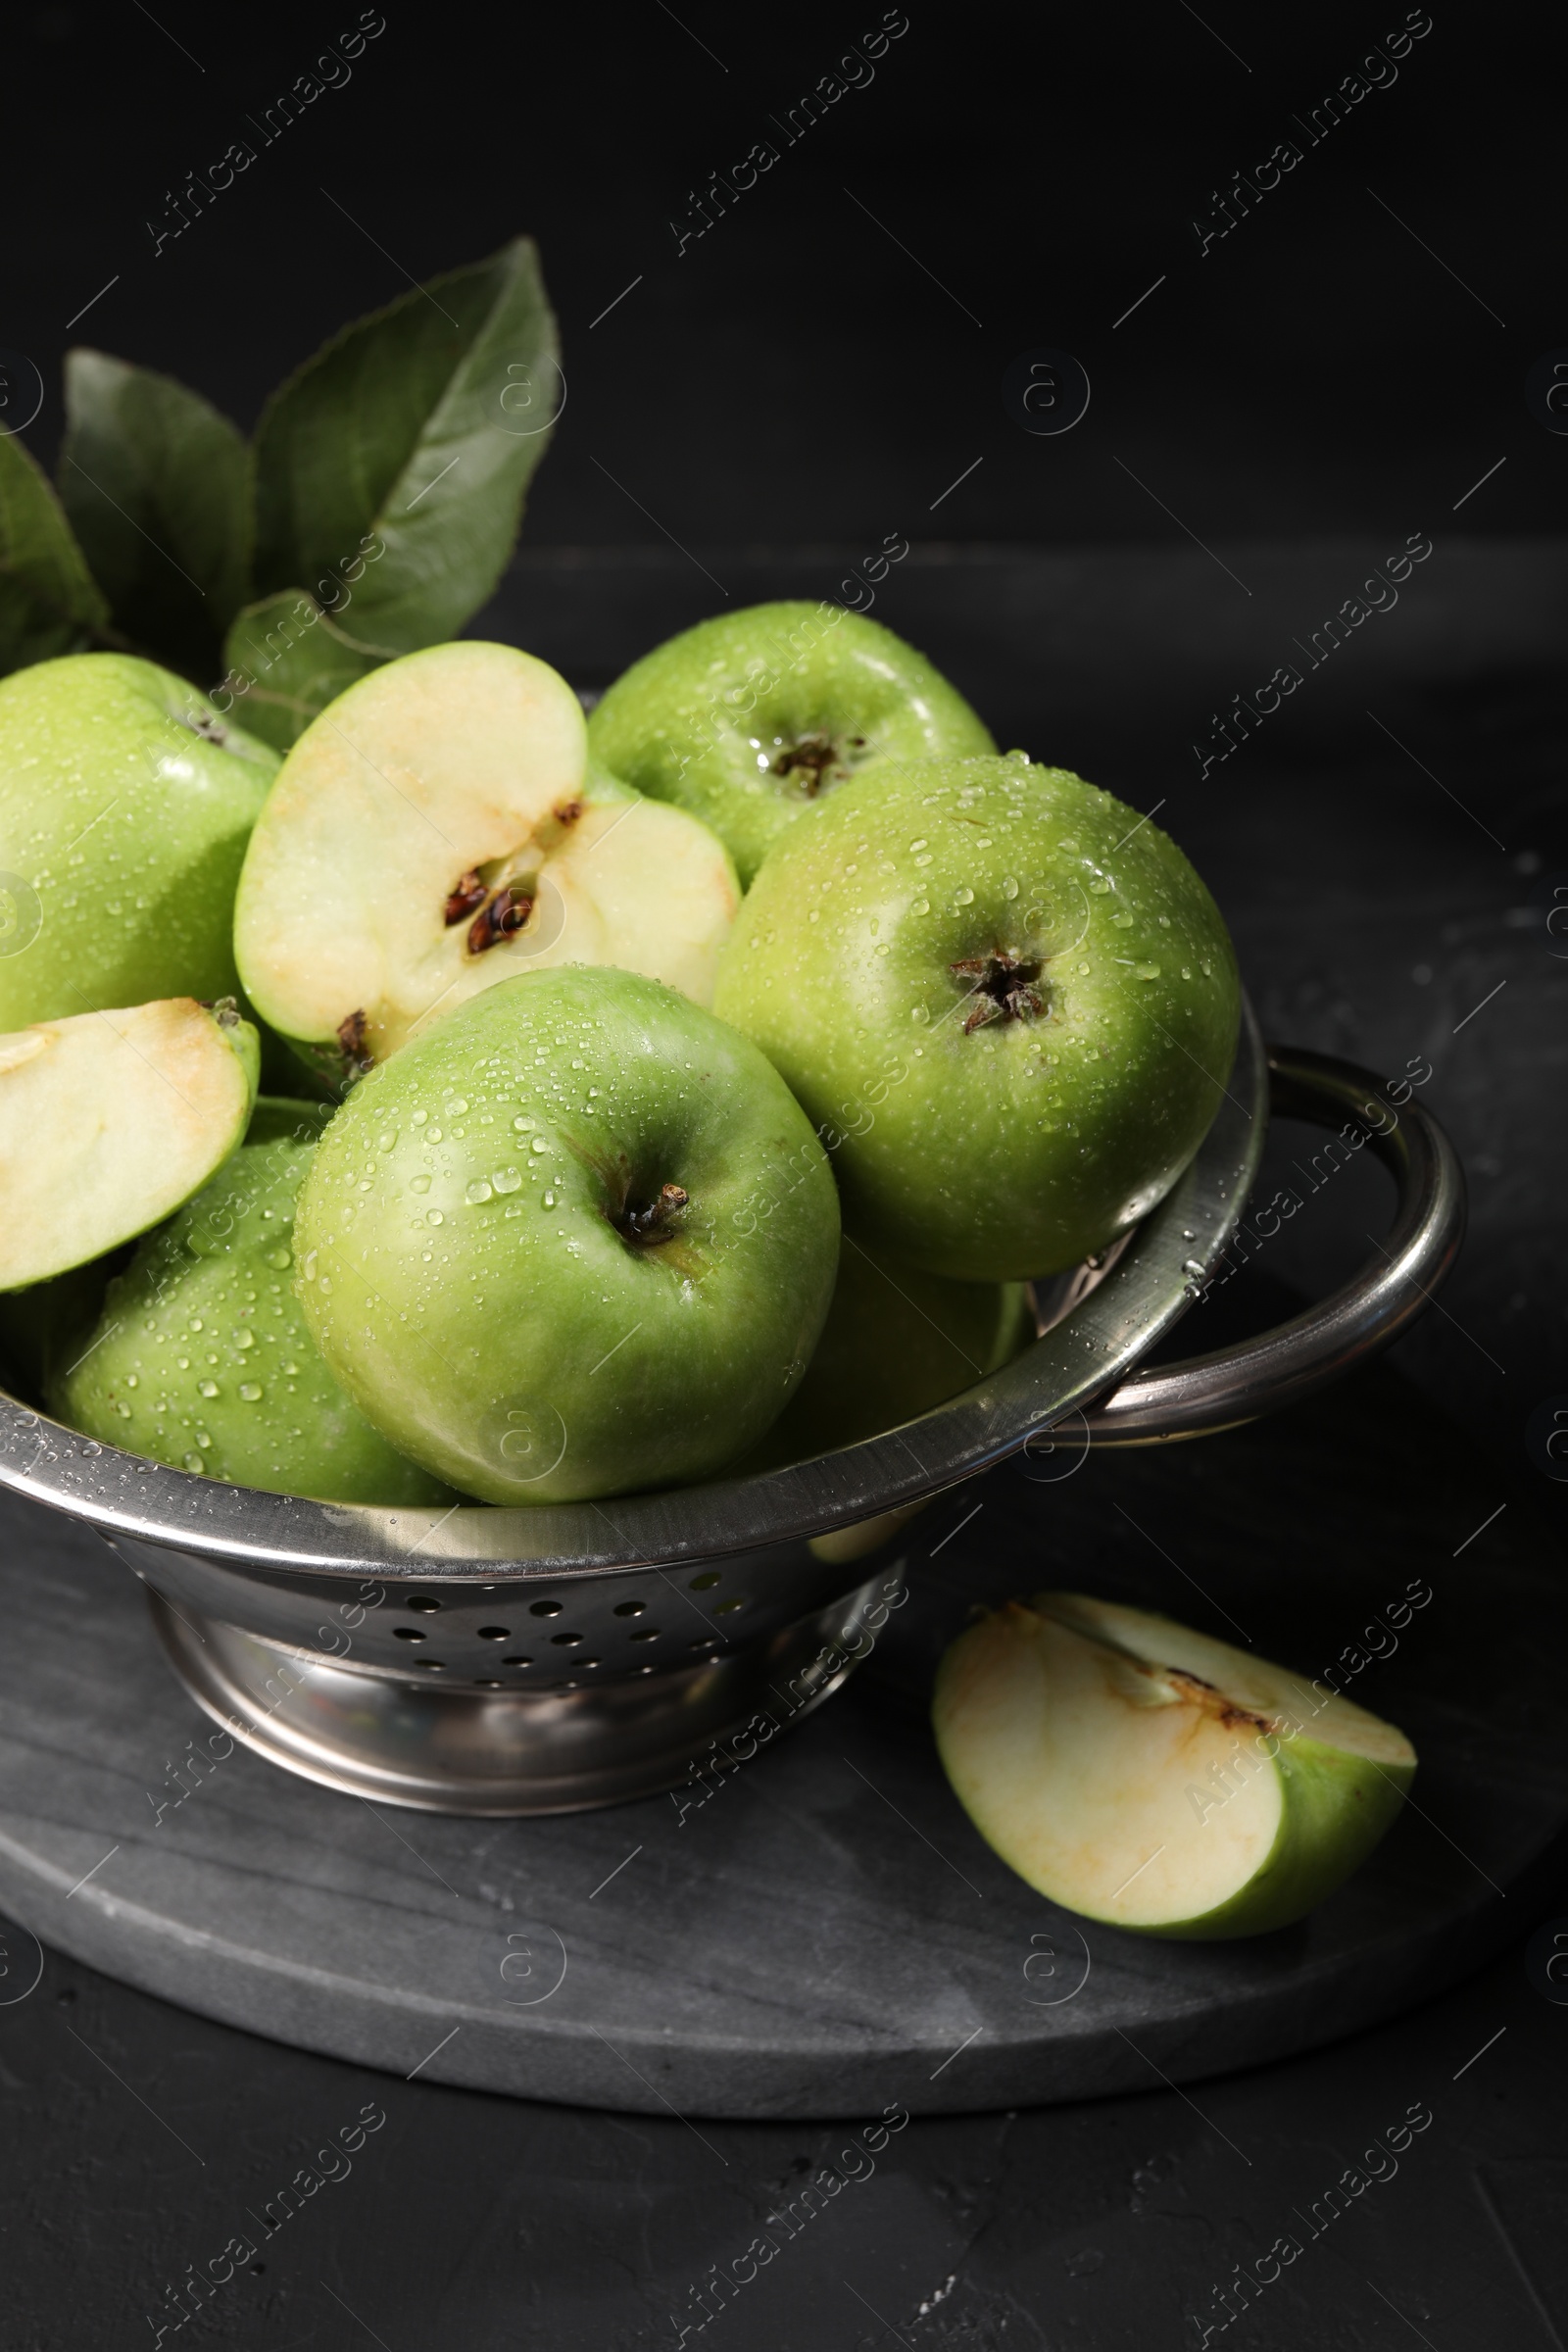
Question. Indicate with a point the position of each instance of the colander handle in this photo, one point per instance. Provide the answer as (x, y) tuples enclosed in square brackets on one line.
[(1281, 1366)]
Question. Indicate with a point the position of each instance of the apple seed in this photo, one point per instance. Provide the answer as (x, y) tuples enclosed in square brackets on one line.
[(467, 895), (507, 912)]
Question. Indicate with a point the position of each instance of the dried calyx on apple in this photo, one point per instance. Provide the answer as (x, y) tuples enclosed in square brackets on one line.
[(438, 829)]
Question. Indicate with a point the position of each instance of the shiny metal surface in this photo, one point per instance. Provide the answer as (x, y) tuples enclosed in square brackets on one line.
[(372, 1732), (1364, 1316), (510, 1660)]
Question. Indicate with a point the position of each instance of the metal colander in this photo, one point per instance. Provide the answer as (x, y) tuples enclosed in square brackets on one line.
[(532, 1660)]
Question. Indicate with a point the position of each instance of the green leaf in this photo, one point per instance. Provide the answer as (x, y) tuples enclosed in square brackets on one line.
[(414, 434), (286, 660), (156, 485), (48, 603)]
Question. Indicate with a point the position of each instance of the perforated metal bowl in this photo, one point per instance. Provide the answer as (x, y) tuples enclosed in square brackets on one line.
[(502, 1660)]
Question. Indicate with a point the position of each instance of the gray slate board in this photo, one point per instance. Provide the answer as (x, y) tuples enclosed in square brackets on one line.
[(826, 1935)]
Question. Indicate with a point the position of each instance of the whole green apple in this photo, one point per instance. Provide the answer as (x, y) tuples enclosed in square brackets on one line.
[(896, 1343), (1008, 1003), (577, 1239), (109, 1120), (439, 828), (201, 1358), (749, 719), (125, 804), (1146, 1776)]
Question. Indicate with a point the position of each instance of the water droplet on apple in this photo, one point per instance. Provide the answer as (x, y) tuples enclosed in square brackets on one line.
[(963, 895), (507, 1180), (208, 1388), (384, 1143), (1009, 886), (250, 1389), (477, 1192), (539, 1144), (193, 1461), (419, 1118), (281, 1258), (550, 1199), (433, 1216), (918, 1013), (1146, 971)]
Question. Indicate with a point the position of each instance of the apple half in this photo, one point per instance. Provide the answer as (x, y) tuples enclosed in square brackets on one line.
[(437, 830), (108, 1121), (1140, 1774)]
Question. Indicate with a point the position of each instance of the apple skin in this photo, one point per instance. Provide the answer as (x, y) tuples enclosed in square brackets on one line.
[(205, 1313), (126, 805), (463, 1276), (703, 719), (896, 1345), (1003, 1710), (1018, 1146)]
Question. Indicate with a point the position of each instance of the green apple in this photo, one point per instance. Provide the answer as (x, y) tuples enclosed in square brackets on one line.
[(126, 802), (749, 719), (896, 1343), (109, 1120), (575, 1240), (1144, 1775), (438, 829), (201, 1358), (1008, 1003)]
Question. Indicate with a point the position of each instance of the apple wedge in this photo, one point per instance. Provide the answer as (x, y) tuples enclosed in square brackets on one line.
[(1140, 1774), (437, 830), (108, 1121)]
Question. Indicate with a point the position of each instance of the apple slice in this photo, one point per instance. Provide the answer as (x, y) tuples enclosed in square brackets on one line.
[(437, 830), (108, 1121), (1140, 1774)]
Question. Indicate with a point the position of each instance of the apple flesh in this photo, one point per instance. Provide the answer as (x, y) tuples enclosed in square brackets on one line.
[(577, 1239), (201, 1358), (126, 802), (438, 830), (109, 1120), (749, 719), (1007, 1002), (1144, 1775), (896, 1345)]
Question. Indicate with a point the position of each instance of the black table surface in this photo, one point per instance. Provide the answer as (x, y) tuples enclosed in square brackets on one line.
[(1385, 848)]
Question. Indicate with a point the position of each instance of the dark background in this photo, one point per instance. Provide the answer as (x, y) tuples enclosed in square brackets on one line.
[(794, 375), (801, 383)]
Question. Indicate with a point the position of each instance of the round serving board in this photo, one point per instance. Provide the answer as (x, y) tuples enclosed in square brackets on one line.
[(819, 1932)]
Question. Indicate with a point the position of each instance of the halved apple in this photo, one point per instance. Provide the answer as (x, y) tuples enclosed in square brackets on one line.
[(437, 830), (1140, 1774), (108, 1121)]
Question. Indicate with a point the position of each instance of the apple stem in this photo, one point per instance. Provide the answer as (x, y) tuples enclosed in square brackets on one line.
[(655, 1223)]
